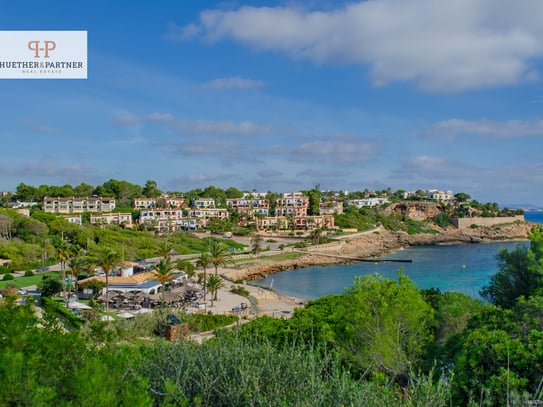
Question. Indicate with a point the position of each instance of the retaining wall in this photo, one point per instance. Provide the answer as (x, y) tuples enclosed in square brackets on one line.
[(463, 223)]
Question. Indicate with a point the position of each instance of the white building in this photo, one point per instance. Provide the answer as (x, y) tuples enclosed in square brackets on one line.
[(371, 202), (78, 205)]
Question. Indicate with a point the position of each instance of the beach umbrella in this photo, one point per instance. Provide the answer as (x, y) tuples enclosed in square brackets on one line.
[(143, 311), (78, 305), (107, 318), (125, 315)]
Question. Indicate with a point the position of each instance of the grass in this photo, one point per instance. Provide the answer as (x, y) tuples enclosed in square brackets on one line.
[(281, 256), (21, 282)]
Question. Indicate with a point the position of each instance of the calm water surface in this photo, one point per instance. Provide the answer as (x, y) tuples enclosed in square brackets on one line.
[(464, 268)]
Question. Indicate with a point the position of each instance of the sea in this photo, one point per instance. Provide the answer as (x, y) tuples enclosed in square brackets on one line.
[(464, 268)]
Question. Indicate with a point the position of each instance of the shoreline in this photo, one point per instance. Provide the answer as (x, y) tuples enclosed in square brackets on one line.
[(364, 246), (374, 245)]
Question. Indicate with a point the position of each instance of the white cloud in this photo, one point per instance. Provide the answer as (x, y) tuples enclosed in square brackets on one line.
[(234, 82), (453, 128), (176, 33), (221, 127), (440, 45), (130, 119)]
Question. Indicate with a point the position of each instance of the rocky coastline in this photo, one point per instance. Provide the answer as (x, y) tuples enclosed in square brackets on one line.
[(375, 245)]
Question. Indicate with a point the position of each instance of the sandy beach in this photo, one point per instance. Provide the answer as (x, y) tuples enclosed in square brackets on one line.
[(260, 302)]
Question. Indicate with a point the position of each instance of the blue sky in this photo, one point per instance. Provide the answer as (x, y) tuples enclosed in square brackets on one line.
[(285, 95)]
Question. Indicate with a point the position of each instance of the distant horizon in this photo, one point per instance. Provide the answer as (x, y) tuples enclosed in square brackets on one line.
[(284, 95)]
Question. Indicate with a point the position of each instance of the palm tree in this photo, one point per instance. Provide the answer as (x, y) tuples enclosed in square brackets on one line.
[(204, 261), (64, 254), (165, 250), (315, 236), (219, 255), (77, 266), (186, 266), (256, 243), (107, 259), (214, 283), (163, 273)]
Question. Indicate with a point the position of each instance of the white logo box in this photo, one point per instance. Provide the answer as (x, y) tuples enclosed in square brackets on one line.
[(43, 54)]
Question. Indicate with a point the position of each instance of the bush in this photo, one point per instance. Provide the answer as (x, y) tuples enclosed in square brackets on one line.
[(29, 273), (239, 290), (5, 270), (8, 277)]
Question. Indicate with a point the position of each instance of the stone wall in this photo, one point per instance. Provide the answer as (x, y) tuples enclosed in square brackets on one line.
[(463, 223)]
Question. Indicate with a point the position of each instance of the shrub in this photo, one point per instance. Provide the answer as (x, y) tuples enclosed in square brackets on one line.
[(239, 290), (29, 273), (5, 270), (8, 277)]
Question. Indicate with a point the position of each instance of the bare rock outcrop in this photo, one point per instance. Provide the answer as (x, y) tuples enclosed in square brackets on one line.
[(415, 210)]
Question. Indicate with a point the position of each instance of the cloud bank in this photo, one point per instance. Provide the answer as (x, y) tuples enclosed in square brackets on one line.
[(441, 46)]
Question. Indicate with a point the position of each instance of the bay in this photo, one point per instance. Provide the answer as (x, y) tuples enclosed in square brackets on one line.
[(463, 268), (534, 216)]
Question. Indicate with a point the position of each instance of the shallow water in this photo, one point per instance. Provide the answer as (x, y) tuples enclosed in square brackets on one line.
[(464, 268)]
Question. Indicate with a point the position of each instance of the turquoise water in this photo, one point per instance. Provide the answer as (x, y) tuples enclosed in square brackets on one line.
[(534, 217), (464, 268)]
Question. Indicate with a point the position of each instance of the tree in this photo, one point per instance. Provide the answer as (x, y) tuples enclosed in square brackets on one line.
[(5, 226), (163, 274), (256, 243), (315, 236), (83, 190), (204, 261), (49, 287), (315, 196), (219, 255), (63, 253), (27, 193), (214, 283), (462, 197), (77, 265), (187, 267), (385, 325), (150, 190), (514, 278), (166, 249), (232, 193), (107, 259)]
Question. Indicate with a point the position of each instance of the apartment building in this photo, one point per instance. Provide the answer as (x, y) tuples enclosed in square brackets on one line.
[(203, 203), (162, 220), (145, 203), (249, 206), (78, 205), (292, 203), (124, 219), (173, 202), (300, 223), (203, 216)]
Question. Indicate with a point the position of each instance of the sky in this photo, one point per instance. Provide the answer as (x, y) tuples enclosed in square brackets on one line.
[(286, 95)]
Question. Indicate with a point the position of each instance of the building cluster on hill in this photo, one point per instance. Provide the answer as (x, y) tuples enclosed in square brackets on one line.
[(287, 211)]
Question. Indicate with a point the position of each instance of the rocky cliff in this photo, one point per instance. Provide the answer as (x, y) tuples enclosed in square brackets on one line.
[(415, 210)]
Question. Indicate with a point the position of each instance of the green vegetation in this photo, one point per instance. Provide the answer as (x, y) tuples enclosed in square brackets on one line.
[(382, 342)]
